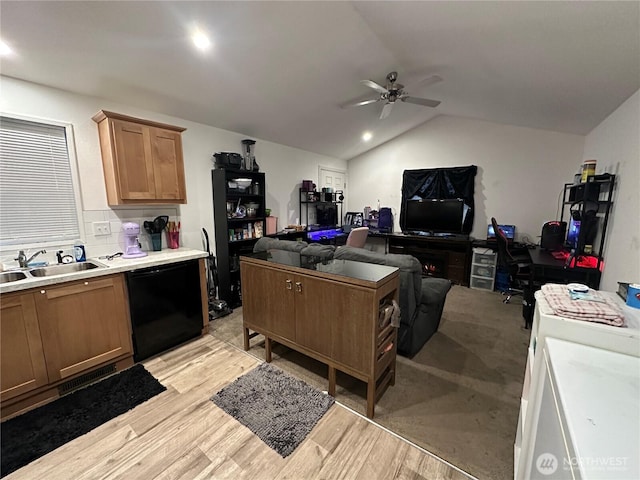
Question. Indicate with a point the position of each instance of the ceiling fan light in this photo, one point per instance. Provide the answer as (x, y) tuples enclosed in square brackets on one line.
[(5, 50), (200, 40)]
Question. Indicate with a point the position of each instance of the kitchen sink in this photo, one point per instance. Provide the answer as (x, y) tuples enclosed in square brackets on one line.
[(61, 269), (6, 277)]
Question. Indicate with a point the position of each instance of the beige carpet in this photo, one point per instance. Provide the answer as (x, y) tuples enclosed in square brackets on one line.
[(458, 398)]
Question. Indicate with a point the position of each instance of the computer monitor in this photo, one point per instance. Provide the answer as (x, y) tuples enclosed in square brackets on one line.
[(326, 214), (434, 215), (509, 232), (573, 235)]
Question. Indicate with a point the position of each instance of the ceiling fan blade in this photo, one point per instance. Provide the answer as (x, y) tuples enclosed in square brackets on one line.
[(386, 110), (374, 85), (420, 101), (357, 103), (425, 82)]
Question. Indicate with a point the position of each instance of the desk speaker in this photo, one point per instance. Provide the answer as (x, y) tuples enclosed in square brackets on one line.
[(553, 234)]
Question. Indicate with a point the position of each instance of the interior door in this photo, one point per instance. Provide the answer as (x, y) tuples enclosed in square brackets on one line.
[(334, 178)]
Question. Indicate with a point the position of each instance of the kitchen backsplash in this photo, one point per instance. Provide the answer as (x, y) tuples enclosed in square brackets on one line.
[(99, 245)]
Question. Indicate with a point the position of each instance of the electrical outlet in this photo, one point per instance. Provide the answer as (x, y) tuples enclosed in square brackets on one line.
[(101, 228)]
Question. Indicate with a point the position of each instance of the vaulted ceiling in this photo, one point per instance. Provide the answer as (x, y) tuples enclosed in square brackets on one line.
[(279, 71)]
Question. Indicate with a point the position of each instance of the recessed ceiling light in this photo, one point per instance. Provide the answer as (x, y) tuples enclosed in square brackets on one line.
[(200, 40), (5, 49), (366, 136)]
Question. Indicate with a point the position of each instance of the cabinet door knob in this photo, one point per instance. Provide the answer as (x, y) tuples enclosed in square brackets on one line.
[(43, 291), (86, 283), (298, 287), (289, 285)]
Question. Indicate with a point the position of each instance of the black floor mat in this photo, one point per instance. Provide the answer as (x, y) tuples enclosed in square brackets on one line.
[(38, 432)]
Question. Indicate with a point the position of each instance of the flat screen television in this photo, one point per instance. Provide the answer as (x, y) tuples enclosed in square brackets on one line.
[(434, 216)]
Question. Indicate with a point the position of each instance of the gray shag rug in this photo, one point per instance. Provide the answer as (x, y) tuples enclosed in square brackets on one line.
[(278, 408)]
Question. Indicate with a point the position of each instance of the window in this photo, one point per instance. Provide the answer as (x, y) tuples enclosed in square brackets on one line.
[(39, 201)]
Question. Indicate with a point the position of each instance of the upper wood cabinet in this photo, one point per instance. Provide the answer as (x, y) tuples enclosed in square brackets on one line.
[(142, 160)]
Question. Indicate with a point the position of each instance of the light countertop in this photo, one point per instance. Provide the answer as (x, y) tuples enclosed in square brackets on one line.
[(598, 393), (107, 267)]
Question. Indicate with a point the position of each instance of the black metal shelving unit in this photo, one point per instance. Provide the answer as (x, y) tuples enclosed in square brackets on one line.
[(321, 197), (235, 236), (596, 194)]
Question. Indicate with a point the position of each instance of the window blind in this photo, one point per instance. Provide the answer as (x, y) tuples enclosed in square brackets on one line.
[(37, 198)]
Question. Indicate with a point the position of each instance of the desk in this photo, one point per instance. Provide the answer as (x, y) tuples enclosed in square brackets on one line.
[(515, 248), (545, 268)]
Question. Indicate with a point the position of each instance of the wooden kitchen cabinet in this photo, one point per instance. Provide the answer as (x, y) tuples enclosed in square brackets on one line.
[(329, 312), (142, 160), (84, 324), (59, 337), (23, 367)]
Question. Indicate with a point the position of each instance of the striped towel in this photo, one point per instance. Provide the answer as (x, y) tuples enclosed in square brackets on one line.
[(602, 310)]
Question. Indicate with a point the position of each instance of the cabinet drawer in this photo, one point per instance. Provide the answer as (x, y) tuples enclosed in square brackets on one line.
[(457, 259), (480, 270), (484, 258), (481, 283)]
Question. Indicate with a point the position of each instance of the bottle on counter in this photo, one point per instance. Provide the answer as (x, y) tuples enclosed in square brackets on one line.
[(79, 252)]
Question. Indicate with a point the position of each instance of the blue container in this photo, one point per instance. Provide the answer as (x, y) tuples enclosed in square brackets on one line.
[(79, 252), (633, 295), (502, 281)]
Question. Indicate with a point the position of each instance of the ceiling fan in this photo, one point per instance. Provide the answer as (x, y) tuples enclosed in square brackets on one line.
[(393, 91)]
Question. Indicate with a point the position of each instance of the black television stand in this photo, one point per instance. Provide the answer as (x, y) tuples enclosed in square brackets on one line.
[(445, 255)]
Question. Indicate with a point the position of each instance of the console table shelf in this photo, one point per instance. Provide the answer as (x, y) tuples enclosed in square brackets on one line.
[(235, 236)]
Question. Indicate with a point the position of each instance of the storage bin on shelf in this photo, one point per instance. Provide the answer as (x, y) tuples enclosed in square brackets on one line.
[(483, 269)]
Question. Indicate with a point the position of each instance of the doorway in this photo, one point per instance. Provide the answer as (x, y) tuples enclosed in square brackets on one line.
[(337, 180), (333, 178)]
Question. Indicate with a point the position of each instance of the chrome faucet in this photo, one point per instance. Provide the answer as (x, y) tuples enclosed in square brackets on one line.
[(22, 259)]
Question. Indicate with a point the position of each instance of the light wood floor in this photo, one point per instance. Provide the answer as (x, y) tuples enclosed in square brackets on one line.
[(182, 434)]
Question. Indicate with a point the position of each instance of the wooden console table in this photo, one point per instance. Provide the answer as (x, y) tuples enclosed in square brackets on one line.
[(328, 311)]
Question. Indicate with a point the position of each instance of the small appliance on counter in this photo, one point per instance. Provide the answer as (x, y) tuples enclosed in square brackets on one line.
[(228, 160), (132, 247)]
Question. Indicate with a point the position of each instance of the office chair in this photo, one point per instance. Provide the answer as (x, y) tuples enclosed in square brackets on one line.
[(358, 237), (516, 267)]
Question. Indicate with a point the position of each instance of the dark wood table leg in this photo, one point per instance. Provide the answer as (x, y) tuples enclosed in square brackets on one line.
[(371, 397), (246, 338), (332, 381), (267, 349)]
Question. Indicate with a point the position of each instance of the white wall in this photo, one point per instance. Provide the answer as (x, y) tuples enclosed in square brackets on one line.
[(285, 167), (521, 171), (615, 144)]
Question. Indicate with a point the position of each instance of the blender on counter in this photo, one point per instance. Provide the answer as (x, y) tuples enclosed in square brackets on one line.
[(248, 154)]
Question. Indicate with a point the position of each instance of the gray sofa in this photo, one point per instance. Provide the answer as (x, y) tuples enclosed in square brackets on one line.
[(421, 299)]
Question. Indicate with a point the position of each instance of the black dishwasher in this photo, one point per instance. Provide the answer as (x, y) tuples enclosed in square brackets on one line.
[(165, 306)]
